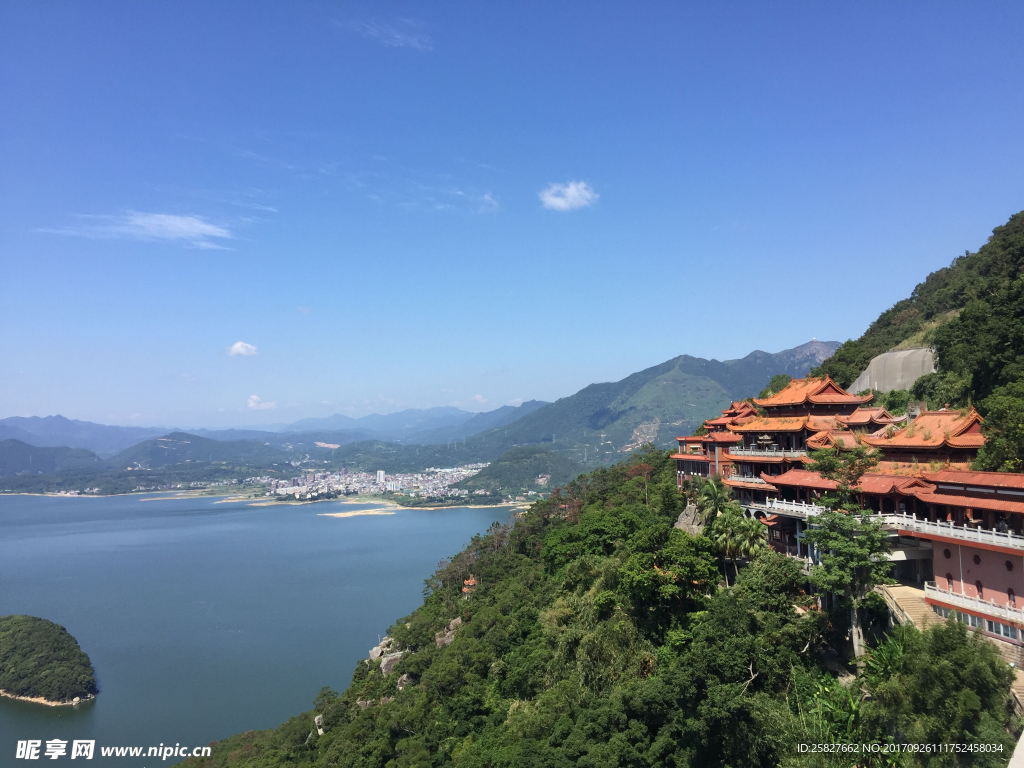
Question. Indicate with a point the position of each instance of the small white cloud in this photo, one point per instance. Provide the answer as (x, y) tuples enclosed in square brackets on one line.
[(404, 34), (517, 401), (487, 203), (480, 398), (241, 348), (568, 197), (135, 225), (256, 404)]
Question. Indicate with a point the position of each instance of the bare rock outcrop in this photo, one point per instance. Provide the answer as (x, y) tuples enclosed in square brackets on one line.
[(444, 637), (385, 647), (690, 521), (404, 681), (389, 662)]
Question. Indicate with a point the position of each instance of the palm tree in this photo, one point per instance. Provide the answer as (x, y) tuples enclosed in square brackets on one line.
[(752, 538), (726, 536), (712, 500), (737, 536)]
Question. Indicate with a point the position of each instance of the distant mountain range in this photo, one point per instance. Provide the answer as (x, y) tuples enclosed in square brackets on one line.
[(57, 431), (602, 421), (411, 426), (596, 425)]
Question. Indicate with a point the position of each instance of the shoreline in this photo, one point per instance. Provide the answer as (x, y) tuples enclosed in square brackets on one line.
[(264, 501), (45, 702)]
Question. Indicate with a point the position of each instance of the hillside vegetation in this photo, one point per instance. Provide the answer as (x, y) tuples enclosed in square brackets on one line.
[(601, 422), (934, 305), (599, 635), (524, 469), (979, 342), (17, 456), (40, 659)]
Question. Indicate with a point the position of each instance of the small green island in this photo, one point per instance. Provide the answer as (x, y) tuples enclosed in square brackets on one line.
[(40, 661)]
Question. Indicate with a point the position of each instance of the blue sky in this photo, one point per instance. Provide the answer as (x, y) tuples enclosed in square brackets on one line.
[(472, 204)]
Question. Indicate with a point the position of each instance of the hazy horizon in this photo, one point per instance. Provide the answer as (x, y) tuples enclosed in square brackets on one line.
[(272, 425)]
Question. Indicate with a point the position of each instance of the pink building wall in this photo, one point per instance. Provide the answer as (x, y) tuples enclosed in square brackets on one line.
[(996, 579)]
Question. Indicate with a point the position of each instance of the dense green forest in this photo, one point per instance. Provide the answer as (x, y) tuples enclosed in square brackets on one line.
[(17, 456), (600, 635), (523, 469), (41, 659), (972, 313)]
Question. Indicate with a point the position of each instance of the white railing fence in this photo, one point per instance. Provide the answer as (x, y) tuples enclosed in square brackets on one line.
[(987, 607)]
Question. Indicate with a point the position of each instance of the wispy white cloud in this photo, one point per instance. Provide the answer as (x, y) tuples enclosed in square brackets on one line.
[(403, 33), (487, 203), (256, 404), (516, 401), (568, 197), (480, 398), (194, 231), (241, 348)]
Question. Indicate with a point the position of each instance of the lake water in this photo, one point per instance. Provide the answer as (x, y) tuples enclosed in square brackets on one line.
[(205, 619)]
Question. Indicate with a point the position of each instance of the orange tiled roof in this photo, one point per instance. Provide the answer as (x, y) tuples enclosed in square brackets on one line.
[(690, 456), (934, 429), (875, 483), (812, 390), (711, 437), (907, 468), (765, 486), (986, 479), (771, 424), (841, 437), (862, 417), (805, 478), (973, 502), (884, 484)]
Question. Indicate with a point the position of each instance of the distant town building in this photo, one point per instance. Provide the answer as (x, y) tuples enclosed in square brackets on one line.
[(380, 475)]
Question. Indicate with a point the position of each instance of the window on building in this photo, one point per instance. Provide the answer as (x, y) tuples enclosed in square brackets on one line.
[(947, 554), (1011, 597), (949, 582), (977, 559), (1003, 630), (981, 590), (1009, 565)]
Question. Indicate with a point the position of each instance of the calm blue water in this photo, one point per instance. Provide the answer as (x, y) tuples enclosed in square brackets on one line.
[(204, 619)]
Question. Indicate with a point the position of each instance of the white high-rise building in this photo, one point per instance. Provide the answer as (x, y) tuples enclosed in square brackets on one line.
[(380, 475)]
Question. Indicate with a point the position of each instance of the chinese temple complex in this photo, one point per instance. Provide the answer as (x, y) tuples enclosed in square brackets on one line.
[(957, 535)]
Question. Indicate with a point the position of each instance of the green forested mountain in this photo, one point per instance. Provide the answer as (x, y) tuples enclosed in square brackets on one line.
[(602, 422), (529, 468), (40, 659), (181, 448), (599, 635), (972, 313), (478, 423), (17, 456), (935, 303)]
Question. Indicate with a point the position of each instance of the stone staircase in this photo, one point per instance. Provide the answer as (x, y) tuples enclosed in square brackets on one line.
[(908, 606)]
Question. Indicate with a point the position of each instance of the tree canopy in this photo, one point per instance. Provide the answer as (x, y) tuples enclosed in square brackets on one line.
[(40, 659)]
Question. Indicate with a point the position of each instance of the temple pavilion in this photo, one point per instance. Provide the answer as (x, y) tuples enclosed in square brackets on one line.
[(957, 534)]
